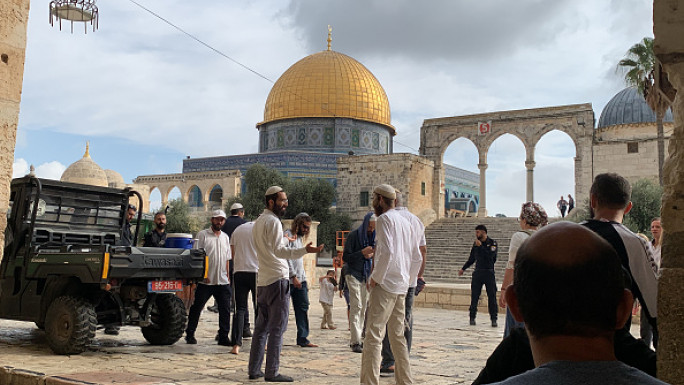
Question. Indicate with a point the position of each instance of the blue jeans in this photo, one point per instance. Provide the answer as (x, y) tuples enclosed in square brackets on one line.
[(300, 304)]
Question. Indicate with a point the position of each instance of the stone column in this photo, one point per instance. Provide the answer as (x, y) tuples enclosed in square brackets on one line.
[(482, 210), (14, 18), (529, 164), (668, 27)]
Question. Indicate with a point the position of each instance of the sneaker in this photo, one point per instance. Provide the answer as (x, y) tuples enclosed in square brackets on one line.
[(190, 339), (213, 309), (356, 348), (494, 324), (279, 378), (246, 333), (472, 322), (387, 369), (225, 343)]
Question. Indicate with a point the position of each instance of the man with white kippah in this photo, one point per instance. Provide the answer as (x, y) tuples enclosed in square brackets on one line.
[(389, 283), (217, 284), (273, 293), (418, 259)]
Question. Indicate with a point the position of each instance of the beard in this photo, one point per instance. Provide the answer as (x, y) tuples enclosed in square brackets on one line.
[(161, 226), (377, 210), (278, 210), (215, 227)]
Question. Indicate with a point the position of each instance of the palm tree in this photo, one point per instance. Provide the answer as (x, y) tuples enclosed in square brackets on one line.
[(639, 65)]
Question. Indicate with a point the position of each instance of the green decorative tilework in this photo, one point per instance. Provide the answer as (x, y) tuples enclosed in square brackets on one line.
[(329, 136), (355, 138)]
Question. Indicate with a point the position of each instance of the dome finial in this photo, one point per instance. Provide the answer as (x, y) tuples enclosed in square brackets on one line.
[(87, 153), (329, 36)]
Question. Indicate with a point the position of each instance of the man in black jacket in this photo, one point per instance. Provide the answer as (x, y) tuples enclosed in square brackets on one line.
[(357, 255), (483, 254)]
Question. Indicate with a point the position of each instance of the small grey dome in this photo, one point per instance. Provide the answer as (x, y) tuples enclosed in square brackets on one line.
[(629, 107)]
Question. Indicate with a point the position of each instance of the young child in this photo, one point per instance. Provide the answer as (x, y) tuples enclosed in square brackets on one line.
[(328, 288)]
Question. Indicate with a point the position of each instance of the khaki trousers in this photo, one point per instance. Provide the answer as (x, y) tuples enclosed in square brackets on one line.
[(358, 297), (327, 321), (385, 308)]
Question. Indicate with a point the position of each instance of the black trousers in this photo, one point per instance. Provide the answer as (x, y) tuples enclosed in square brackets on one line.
[(245, 283), (222, 295), (486, 278)]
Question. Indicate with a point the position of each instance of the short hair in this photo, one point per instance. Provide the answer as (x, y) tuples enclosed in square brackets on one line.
[(481, 227), (158, 213), (298, 220), (577, 299), (273, 197), (611, 191), (132, 207)]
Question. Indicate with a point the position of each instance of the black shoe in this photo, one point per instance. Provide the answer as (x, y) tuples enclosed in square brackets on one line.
[(494, 324), (387, 369), (279, 378), (246, 333), (216, 337), (112, 330), (256, 376), (190, 339), (213, 309), (225, 342), (472, 322), (356, 348)]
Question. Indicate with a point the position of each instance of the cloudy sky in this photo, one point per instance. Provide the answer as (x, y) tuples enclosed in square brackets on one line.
[(145, 95)]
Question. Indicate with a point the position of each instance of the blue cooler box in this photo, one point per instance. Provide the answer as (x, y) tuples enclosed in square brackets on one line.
[(179, 241)]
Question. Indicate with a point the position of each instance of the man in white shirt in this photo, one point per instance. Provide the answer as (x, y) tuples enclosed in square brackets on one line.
[(389, 283), (246, 266), (418, 259), (273, 293), (217, 245)]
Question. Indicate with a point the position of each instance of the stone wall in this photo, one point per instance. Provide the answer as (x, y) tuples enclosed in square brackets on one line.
[(611, 152), (410, 174), (668, 28), (13, 21)]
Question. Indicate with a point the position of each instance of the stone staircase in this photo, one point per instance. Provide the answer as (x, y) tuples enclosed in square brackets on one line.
[(448, 246)]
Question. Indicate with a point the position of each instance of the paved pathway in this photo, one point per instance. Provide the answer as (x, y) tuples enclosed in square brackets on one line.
[(446, 350)]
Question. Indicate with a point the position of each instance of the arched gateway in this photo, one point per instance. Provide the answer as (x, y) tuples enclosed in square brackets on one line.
[(576, 120)]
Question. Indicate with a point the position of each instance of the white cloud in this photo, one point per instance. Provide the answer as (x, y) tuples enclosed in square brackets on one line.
[(48, 170)]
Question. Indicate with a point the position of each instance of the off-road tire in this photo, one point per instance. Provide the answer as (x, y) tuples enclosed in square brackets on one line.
[(168, 320), (70, 324)]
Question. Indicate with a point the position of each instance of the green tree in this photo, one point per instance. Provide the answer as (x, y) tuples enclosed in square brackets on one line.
[(330, 224), (258, 179), (646, 202), (312, 196), (638, 66), (178, 217)]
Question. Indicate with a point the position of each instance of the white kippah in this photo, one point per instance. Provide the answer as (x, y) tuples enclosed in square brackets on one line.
[(236, 206), (372, 218), (385, 190), (273, 189)]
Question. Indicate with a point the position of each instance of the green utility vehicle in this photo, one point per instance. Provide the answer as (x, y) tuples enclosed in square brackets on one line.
[(65, 269)]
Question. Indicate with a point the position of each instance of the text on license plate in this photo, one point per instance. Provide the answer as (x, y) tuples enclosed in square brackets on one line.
[(162, 286)]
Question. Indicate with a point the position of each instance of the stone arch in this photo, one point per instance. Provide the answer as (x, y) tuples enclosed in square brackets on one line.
[(214, 197), (194, 197), (527, 125), (154, 188)]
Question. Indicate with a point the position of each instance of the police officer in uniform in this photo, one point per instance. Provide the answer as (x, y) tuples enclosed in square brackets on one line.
[(483, 254)]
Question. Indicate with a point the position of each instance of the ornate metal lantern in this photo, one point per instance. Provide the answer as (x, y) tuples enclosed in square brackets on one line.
[(74, 11)]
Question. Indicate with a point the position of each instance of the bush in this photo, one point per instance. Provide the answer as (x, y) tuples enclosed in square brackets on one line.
[(646, 201)]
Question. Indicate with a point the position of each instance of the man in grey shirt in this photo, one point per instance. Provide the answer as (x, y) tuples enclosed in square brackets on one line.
[(572, 301)]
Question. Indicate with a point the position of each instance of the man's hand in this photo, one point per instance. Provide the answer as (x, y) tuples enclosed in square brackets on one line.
[(312, 249), (460, 272), (296, 283), (372, 283), (502, 298), (367, 252), (478, 243)]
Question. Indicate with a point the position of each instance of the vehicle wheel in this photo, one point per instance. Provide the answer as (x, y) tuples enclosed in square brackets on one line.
[(70, 325), (168, 320)]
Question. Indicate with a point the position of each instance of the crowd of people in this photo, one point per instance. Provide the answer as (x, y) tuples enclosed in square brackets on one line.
[(568, 289)]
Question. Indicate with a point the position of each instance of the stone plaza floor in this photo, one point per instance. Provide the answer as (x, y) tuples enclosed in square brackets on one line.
[(446, 350)]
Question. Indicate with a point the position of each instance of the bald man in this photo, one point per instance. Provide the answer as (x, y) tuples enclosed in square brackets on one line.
[(572, 301)]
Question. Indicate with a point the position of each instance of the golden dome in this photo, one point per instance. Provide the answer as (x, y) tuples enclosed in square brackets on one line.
[(328, 84), (85, 171)]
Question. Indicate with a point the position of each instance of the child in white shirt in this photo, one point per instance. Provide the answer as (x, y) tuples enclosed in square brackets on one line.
[(328, 288)]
